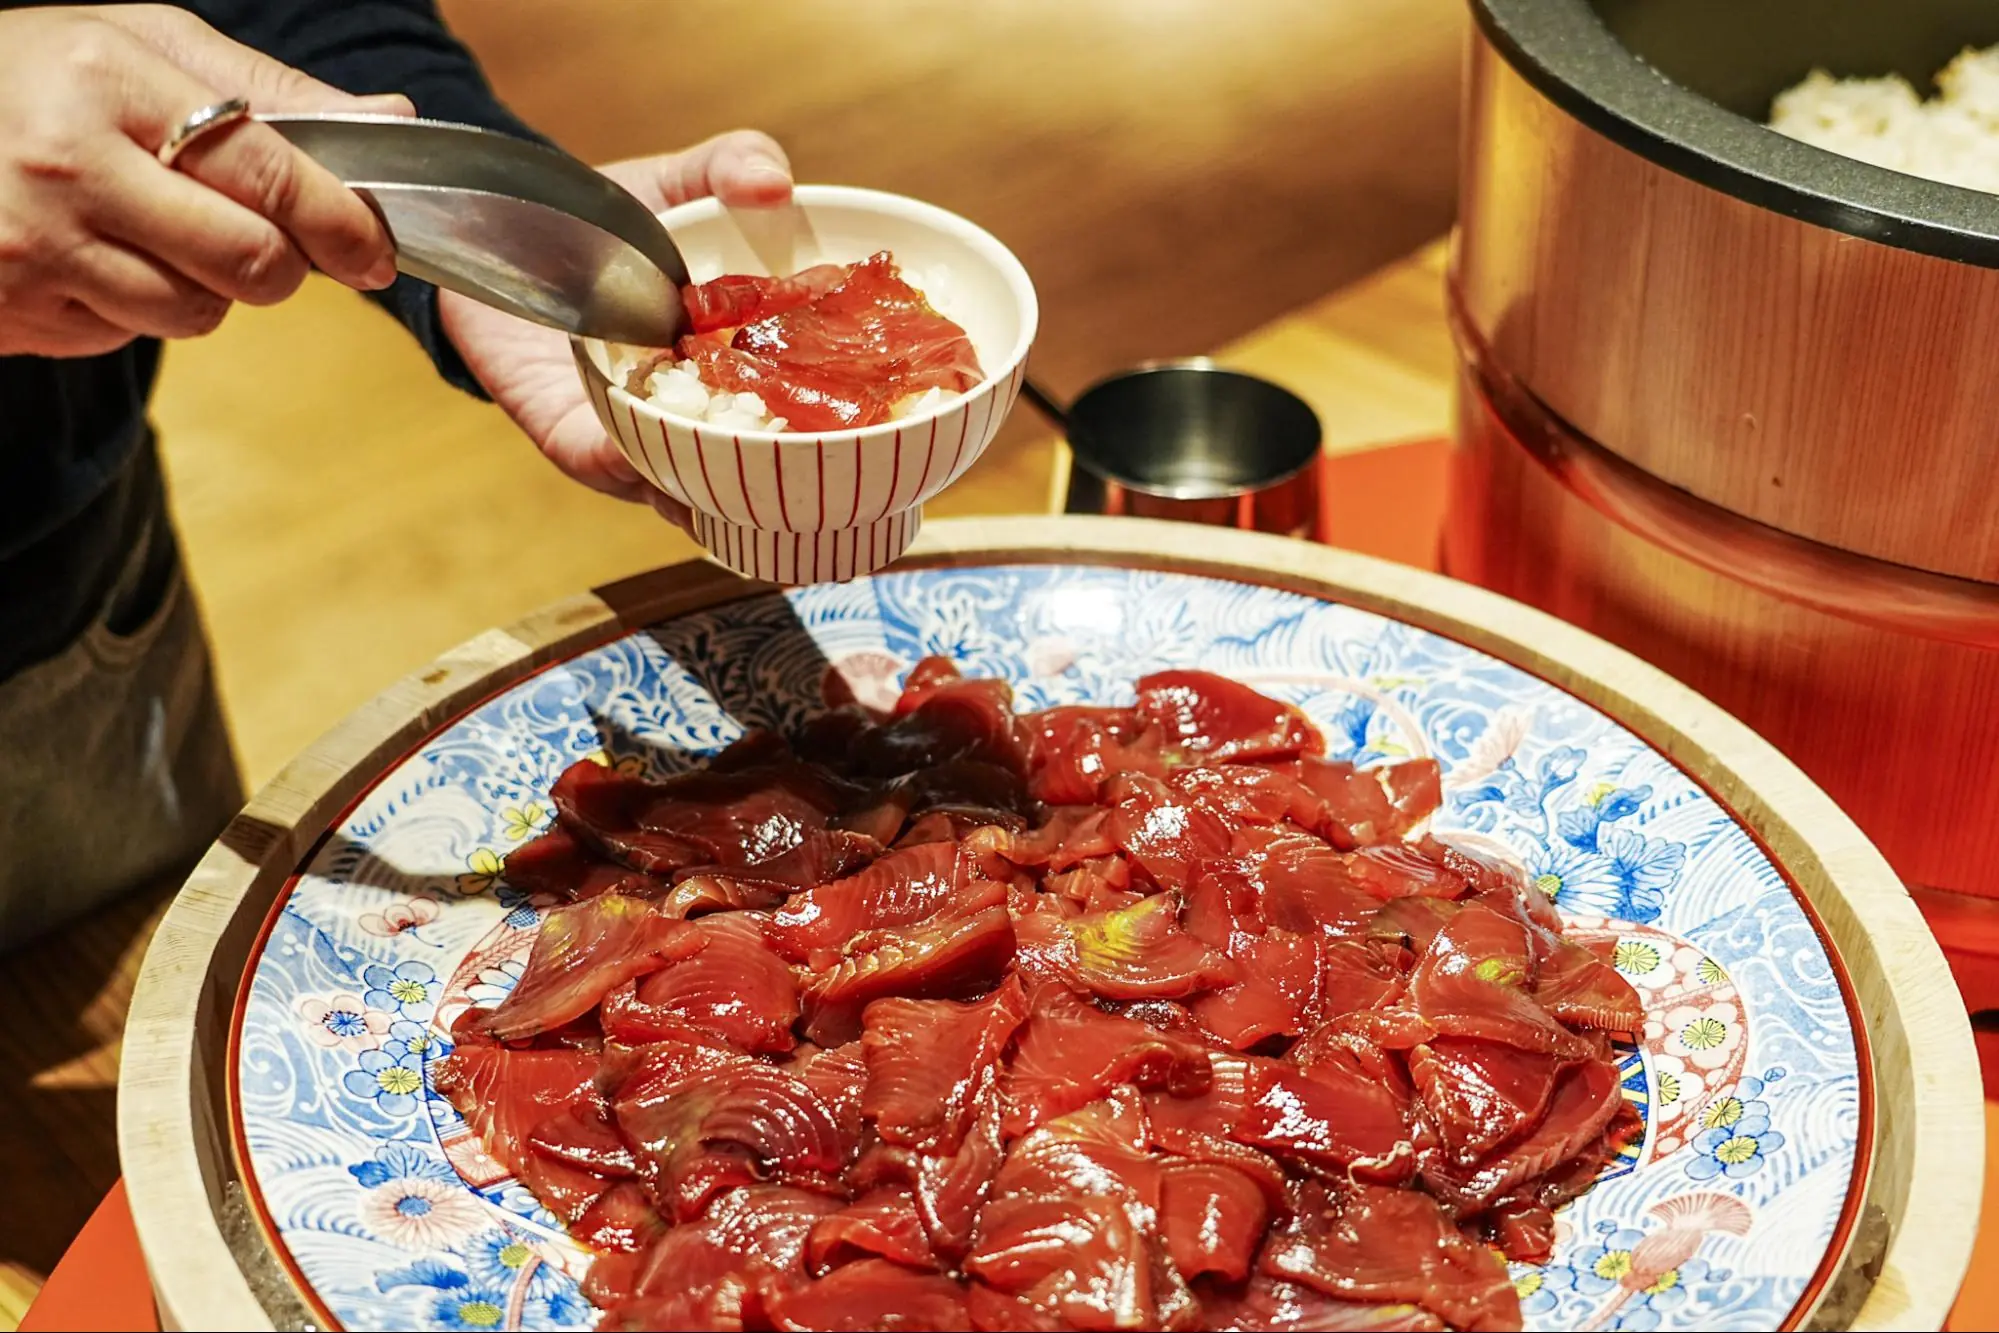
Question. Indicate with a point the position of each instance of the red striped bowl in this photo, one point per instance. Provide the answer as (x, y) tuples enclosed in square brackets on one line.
[(796, 508)]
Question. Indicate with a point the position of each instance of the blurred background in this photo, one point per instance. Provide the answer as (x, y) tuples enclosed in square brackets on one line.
[(1173, 173)]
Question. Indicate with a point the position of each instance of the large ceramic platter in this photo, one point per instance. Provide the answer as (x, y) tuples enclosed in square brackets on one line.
[(1751, 1074)]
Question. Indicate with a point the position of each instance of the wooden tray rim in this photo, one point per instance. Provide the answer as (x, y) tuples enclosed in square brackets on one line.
[(1926, 1177)]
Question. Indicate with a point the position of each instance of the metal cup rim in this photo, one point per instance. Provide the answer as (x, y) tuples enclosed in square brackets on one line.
[(1079, 457)]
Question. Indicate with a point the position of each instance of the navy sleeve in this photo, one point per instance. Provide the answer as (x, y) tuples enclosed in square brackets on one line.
[(379, 46)]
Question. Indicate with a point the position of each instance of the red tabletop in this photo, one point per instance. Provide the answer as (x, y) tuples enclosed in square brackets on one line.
[(1387, 502)]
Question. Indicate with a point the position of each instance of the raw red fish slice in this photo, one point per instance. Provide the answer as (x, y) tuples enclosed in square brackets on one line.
[(1585, 1100), (1069, 1054), (1472, 982), (991, 793), (703, 1274), (1490, 875), (1371, 1243), (809, 398), (581, 1134), (598, 806), (1073, 751), (1068, 836), (1100, 884), (1354, 976), (565, 1190), (873, 325), (872, 1294), (504, 1094), (1282, 977), (960, 795), (1223, 902), (1302, 883), (613, 1276), (1129, 953), (622, 1221), (880, 1165), (717, 1307), (584, 951), (765, 822), (1415, 789), (1166, 835), (827, 738), (996, 1312), (1266, 1305), (950, 1190), (1222, 719), (838, 1077), (732, 988), (881, 1223), (1071, 1224), (1524, 1232), (937, 826), (640, 1071), (1401, 870), (901, 888), (1331, 1118), (1263, 794), (961, 950), (929, 1061), (1212, 1217), (1411, 923), (557, 863), (698, 895), (880, 814), (1577, 987), (723, 1125), (740, 298), (929, 673), (1479, 1093), (1361, 806), (954, 720)]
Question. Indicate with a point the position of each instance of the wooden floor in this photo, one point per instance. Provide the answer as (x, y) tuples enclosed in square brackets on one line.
[(1173, 176)]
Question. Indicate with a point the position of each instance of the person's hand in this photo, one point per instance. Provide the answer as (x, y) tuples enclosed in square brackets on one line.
[(528, 369), (101, 243)]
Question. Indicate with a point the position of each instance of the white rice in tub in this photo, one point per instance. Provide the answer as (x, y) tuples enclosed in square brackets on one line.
[(1952, 137)]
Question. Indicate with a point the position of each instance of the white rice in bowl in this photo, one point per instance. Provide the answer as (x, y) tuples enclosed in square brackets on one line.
[(674, 386), (1952, 137)]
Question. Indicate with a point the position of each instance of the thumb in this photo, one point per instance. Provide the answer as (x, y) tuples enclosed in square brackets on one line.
[(236, 70)]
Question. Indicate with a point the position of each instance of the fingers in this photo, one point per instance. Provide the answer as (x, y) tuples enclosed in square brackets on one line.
[(70, 330), (251, 165), (745, 168), (673, 511), (217, 242), (255, 166), (135, 292)]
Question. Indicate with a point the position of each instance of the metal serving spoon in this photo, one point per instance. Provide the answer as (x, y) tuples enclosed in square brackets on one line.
[(518, 226)]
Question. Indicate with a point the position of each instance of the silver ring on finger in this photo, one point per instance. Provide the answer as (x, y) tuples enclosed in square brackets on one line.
[(206, 120)]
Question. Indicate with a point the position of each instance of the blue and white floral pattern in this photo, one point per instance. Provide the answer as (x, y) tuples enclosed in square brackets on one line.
[(387, 1205)]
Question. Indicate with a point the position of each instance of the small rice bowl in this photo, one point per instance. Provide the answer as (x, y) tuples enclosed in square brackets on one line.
[(1952, 137), (675, 388)]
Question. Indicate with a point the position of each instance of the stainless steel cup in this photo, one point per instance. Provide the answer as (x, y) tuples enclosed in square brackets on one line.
[(1189, 440)]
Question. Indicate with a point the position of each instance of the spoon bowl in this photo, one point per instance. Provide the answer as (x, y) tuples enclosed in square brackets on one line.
[(516, 225)]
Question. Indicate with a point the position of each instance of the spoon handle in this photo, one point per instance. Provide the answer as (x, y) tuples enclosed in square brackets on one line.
[(1044, 404)]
